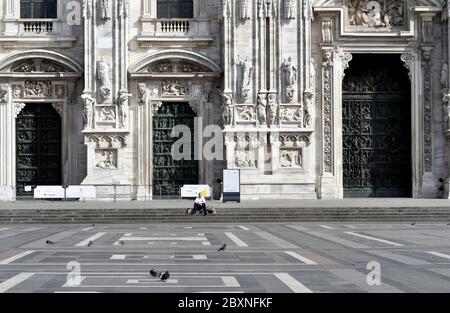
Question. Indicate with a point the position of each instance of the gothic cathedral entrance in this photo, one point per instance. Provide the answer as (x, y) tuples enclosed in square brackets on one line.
[(38, 152), (169, 174), (376, 122)]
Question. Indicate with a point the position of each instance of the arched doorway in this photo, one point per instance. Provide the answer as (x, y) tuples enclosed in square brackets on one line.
[(171, 173), (38, 147), (376, 125)]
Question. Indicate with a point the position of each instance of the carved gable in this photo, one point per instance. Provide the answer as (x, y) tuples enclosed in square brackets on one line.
[(37, 66)]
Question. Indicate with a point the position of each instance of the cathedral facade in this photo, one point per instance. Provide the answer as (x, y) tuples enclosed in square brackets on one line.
[(307, 98)]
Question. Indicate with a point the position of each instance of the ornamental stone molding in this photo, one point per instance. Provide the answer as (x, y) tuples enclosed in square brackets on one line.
[(18, 107), (107, 141)]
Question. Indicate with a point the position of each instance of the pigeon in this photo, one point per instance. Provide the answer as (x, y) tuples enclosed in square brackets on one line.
[(448, 224), (49, 242), (413, 223), (93, 225), (90, 243), (122, 243), (223, 247), (165, 276), (155, 273)]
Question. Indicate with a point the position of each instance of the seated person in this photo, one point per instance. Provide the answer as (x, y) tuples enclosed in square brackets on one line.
[(199, 204)]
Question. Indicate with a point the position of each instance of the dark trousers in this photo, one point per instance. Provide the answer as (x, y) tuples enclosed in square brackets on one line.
[(198, 207)]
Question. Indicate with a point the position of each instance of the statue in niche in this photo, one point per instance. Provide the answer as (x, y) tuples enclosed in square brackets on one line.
[(245, 10), (290, 10), (327, 31), (247, 74), (123, 109), (309, 103), (444, 76), (88, 102), (272, 107), (103, 77), (446, 102), (227, 109), (290, 78), (261, 109), (105, 10)]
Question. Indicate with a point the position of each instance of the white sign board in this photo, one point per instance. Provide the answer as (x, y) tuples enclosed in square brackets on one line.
[(231, 181), (191, 191), (5, 191), (75, 192), (49, 192)]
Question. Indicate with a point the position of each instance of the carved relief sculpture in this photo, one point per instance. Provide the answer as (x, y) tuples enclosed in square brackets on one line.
[(247, 75), (60, 91), (174, 88), (142, 93), (4, 88), (290, 78), (369, 13), (107, 114), (290, 114), (88, 110), (103, 77), (246, 113), (38, 89), (227, 109), (244, 159), (290, 9), (107, 160), (105, 11), (245, 10), (291, 158), (261, 109), (17, 91), (272, 107)]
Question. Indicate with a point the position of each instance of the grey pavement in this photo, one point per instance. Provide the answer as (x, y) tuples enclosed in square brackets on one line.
[(260, 258)]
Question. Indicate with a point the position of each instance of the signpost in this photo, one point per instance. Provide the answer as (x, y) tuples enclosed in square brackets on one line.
[(232, 185)]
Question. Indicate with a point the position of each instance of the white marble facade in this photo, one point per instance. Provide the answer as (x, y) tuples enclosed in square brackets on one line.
[(269, 72)]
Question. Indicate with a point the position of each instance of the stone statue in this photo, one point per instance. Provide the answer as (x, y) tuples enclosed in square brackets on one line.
[(105, 10), (142, 92), (444, 77), (327, 31), (88, 110), (290, 78), (227, 109), (247, 74), (290, 72), (103, 77), (290, 9), (123, 109), (309, 103), (4, 88), (261, 109), (446, 103), (272, 107), (103, 72), (245, 10)]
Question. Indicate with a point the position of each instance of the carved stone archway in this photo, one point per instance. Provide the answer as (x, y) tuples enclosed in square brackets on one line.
[(171, 76), (31, 77)]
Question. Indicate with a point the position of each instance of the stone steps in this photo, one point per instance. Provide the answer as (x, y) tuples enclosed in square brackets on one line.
[(225, 215)]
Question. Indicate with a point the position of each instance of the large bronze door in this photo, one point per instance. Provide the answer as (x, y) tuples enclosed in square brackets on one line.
[(38, 152), (376, 128), (170, 174)]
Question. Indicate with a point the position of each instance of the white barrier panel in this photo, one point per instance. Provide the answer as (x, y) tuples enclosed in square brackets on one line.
[(191, 191), (75, 192), (49, 192), (6, 192)]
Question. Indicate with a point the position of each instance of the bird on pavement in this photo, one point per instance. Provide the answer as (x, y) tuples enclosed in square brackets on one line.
[(413, 223), (165, 276), (223, 247), (90, 243), (122, 243), (49, 242), (93, 225), (155, 273)]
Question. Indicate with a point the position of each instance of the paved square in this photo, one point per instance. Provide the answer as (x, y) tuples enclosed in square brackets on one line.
[(271, 257)]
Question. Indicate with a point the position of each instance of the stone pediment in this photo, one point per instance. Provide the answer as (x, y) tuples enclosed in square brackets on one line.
[(175, 63)]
